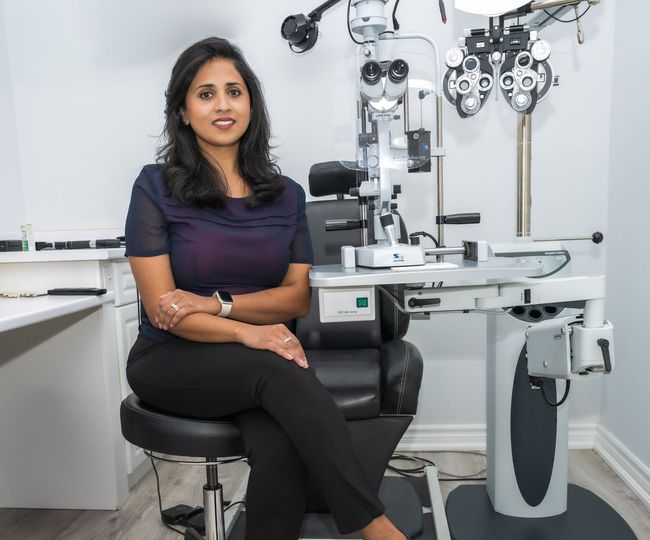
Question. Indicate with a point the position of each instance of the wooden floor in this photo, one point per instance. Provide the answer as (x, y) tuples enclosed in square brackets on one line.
[(139, 518)]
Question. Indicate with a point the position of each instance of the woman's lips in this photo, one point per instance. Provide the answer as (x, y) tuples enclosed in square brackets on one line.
[(224, 123)]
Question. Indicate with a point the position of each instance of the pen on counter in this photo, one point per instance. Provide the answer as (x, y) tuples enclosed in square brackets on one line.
[(443, 12), (80, 244)]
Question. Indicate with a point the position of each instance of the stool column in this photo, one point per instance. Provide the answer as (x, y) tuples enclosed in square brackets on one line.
[(213, 504)]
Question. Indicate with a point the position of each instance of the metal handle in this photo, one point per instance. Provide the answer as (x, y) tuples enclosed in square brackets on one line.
[(460, 219), (342, 224), (423, 302), (596, 238), (604, 347)]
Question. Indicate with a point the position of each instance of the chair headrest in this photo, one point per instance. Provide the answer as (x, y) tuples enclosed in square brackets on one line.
[(331, 178)]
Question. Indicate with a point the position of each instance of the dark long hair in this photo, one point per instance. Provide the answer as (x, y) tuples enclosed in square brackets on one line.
[(189, 176)]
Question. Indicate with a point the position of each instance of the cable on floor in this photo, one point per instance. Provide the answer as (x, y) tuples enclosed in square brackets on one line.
[(422, 463), (155, 470)]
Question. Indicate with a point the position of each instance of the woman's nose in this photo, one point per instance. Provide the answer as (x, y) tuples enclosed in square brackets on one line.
[(222, 103)]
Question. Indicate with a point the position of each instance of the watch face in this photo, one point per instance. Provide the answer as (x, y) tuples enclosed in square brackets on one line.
[(225, 297)]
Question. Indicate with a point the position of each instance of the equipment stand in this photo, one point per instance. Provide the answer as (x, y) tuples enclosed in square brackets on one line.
[(471, 516), (527, 495)]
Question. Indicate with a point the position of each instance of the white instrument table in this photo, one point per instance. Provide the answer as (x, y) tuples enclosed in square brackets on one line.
[(455, 270)]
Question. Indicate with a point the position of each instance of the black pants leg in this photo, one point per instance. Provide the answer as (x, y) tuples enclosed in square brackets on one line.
[(212, 380), (278, 481)]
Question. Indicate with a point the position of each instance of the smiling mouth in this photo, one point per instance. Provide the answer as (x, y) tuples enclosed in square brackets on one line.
[(224, 124)]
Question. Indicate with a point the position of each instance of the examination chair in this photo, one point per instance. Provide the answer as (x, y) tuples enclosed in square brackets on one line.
[(372, 373)]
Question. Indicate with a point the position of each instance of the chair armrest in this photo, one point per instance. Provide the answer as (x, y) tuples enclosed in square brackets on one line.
[(401, 376)]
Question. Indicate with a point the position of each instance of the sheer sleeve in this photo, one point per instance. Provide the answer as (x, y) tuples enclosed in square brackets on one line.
[(146, 228), (301, 250)]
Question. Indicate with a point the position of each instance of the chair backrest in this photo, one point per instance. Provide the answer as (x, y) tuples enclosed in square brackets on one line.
[(390, 323), (327, 250)]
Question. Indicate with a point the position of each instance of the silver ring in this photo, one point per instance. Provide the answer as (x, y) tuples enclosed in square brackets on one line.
[(176, 307), (287, 339)]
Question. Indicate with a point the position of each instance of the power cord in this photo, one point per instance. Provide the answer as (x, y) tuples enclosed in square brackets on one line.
[(567, 260), (569, 20), (428, 235), (155, 470), (234, 503), (395, 23), (539, 383), (349, 28), (394, 300), (422, 463)]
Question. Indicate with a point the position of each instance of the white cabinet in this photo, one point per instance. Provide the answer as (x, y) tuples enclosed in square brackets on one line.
[(62, 380), (126, 325), (118, 276)]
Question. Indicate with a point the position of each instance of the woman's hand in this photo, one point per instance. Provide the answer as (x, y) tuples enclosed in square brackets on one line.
[(275, 338), (175, 305)]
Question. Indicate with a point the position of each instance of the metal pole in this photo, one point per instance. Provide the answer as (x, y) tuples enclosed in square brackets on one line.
[(445, 251), (362, 176), (213, 505), (524, 158), (439, 173)]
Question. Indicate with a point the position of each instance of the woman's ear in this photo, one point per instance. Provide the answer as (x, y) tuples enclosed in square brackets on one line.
[(181, 113)]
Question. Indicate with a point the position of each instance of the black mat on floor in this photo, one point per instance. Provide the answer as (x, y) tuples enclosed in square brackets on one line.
[(471, 517), (323, 526)]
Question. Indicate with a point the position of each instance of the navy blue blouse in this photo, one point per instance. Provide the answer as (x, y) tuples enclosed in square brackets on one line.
[(233, 248)]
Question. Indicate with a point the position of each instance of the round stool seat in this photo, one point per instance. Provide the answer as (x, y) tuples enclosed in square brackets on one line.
[(167, 433)]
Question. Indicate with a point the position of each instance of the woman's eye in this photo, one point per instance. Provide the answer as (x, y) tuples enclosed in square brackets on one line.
[(205, 95), (234, 92)]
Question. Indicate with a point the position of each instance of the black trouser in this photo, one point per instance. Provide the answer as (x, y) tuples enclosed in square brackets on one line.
[(291, 427)]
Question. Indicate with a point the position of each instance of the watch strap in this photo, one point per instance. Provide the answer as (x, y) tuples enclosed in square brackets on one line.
[(226, 306)]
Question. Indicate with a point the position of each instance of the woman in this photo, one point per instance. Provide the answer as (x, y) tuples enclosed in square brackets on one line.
[(219, 246)]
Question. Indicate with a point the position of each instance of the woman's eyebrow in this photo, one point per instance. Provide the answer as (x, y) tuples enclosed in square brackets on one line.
[(212, 85)]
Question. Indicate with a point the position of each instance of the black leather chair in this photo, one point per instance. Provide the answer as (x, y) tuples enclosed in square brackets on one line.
[(373, 374)]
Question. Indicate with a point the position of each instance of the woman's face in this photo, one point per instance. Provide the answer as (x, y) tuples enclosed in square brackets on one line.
[(217, 105)]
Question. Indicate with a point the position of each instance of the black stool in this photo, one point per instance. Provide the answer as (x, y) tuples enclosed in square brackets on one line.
[(165, 433)]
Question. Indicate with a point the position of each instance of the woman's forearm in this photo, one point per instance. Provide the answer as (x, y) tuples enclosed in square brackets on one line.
[(271, 306), (209, 329)]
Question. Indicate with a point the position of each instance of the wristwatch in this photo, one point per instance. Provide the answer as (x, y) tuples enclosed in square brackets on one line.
[(225, 299)]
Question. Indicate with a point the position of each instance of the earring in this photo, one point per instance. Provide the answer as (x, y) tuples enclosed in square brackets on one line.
[(183, 119)]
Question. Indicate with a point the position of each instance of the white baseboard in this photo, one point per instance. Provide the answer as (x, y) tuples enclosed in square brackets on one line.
[(436, 437), (433, 437), (624, 463)]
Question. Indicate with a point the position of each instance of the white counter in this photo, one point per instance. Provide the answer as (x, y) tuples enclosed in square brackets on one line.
[(19, 312), (61, 255)]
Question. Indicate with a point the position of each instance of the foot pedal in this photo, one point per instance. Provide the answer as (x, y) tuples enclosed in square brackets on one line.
[(176, 514), (186, 516)]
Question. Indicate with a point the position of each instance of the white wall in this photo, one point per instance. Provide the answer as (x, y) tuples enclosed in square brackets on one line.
[(12, 207), (88, 80), (626, 399)]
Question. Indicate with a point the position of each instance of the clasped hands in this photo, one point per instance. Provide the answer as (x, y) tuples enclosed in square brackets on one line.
[(173, 306)]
